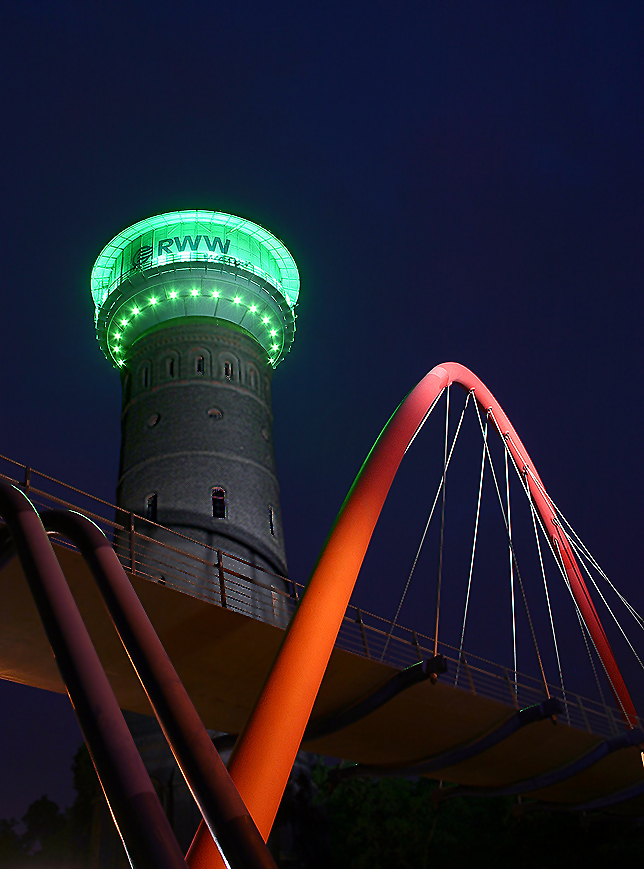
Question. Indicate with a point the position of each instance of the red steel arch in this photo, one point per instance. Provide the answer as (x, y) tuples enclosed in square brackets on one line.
[(265, 752)]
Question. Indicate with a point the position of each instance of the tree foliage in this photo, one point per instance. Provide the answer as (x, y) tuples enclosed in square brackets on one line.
[(48, 838), (397, 823), (358, 824)]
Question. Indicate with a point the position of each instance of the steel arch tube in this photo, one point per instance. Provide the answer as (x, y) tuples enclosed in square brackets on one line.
[(265, 752), (135, 807)]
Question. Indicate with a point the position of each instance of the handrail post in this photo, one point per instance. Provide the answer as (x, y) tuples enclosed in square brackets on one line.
[(362, 631), (417, 645), (583, 712), (222, 578), (132, 555), (469, 673), (513, 688), (612, 724)]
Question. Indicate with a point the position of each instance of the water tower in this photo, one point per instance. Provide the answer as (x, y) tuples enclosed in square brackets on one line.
[(196, 309)]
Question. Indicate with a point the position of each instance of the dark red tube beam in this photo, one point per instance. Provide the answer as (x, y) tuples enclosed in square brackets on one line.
[(210, 784), (139, 818)]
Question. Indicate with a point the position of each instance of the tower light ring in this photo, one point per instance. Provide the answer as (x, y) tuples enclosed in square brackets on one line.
[(130, 305), (206, 249)]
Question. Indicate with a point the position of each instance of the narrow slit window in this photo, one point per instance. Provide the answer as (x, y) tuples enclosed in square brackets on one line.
[(146, 377), (228, 370), (170, 367), (252, 378), (271, 520), (218, 503), (199, 364), (151, 507)]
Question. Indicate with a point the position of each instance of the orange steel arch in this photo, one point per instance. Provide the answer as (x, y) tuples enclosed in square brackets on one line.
[(265, 751)]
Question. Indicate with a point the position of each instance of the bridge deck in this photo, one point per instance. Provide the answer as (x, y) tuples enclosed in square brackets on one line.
[(223, 657)]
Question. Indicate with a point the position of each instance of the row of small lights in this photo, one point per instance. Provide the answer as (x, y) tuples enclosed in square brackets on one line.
[(194, 293)]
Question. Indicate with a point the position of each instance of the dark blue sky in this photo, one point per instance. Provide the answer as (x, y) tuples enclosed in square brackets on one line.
[(455, 181)]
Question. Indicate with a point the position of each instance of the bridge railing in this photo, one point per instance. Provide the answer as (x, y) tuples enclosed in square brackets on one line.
[(226, 580), (371, 636)]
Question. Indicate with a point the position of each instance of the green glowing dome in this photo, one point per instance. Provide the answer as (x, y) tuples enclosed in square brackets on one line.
[(195, 264)]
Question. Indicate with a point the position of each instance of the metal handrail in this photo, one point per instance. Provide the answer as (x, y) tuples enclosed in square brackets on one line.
[(362, 632)]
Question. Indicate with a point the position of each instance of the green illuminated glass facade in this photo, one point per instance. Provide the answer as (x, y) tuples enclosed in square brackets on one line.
[(195, 264)]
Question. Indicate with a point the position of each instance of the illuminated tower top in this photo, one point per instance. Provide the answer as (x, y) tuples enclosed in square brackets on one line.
[(195, 264)]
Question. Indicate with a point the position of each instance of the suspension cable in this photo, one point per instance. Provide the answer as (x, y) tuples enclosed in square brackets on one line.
[(424, 419), (429, 519), (536, 517), (583, 553), (597, 589), (554, 544), (591, 559), (516, 564), (559, 560), (584, 633), (545, 586), (514, 624), (442, 532), (469, 579)]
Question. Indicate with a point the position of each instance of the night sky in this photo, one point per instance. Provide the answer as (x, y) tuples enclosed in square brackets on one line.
[(456, 181)]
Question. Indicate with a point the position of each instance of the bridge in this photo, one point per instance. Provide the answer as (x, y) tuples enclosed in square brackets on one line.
[(340, 681)]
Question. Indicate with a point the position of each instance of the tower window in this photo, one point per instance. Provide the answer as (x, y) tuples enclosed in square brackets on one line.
[(271, 520), (228, 370), (200, 365), (151, 507), (252, 378), (218, 503), (215, 413), (153, 420), (170, 367), (145, 377)]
